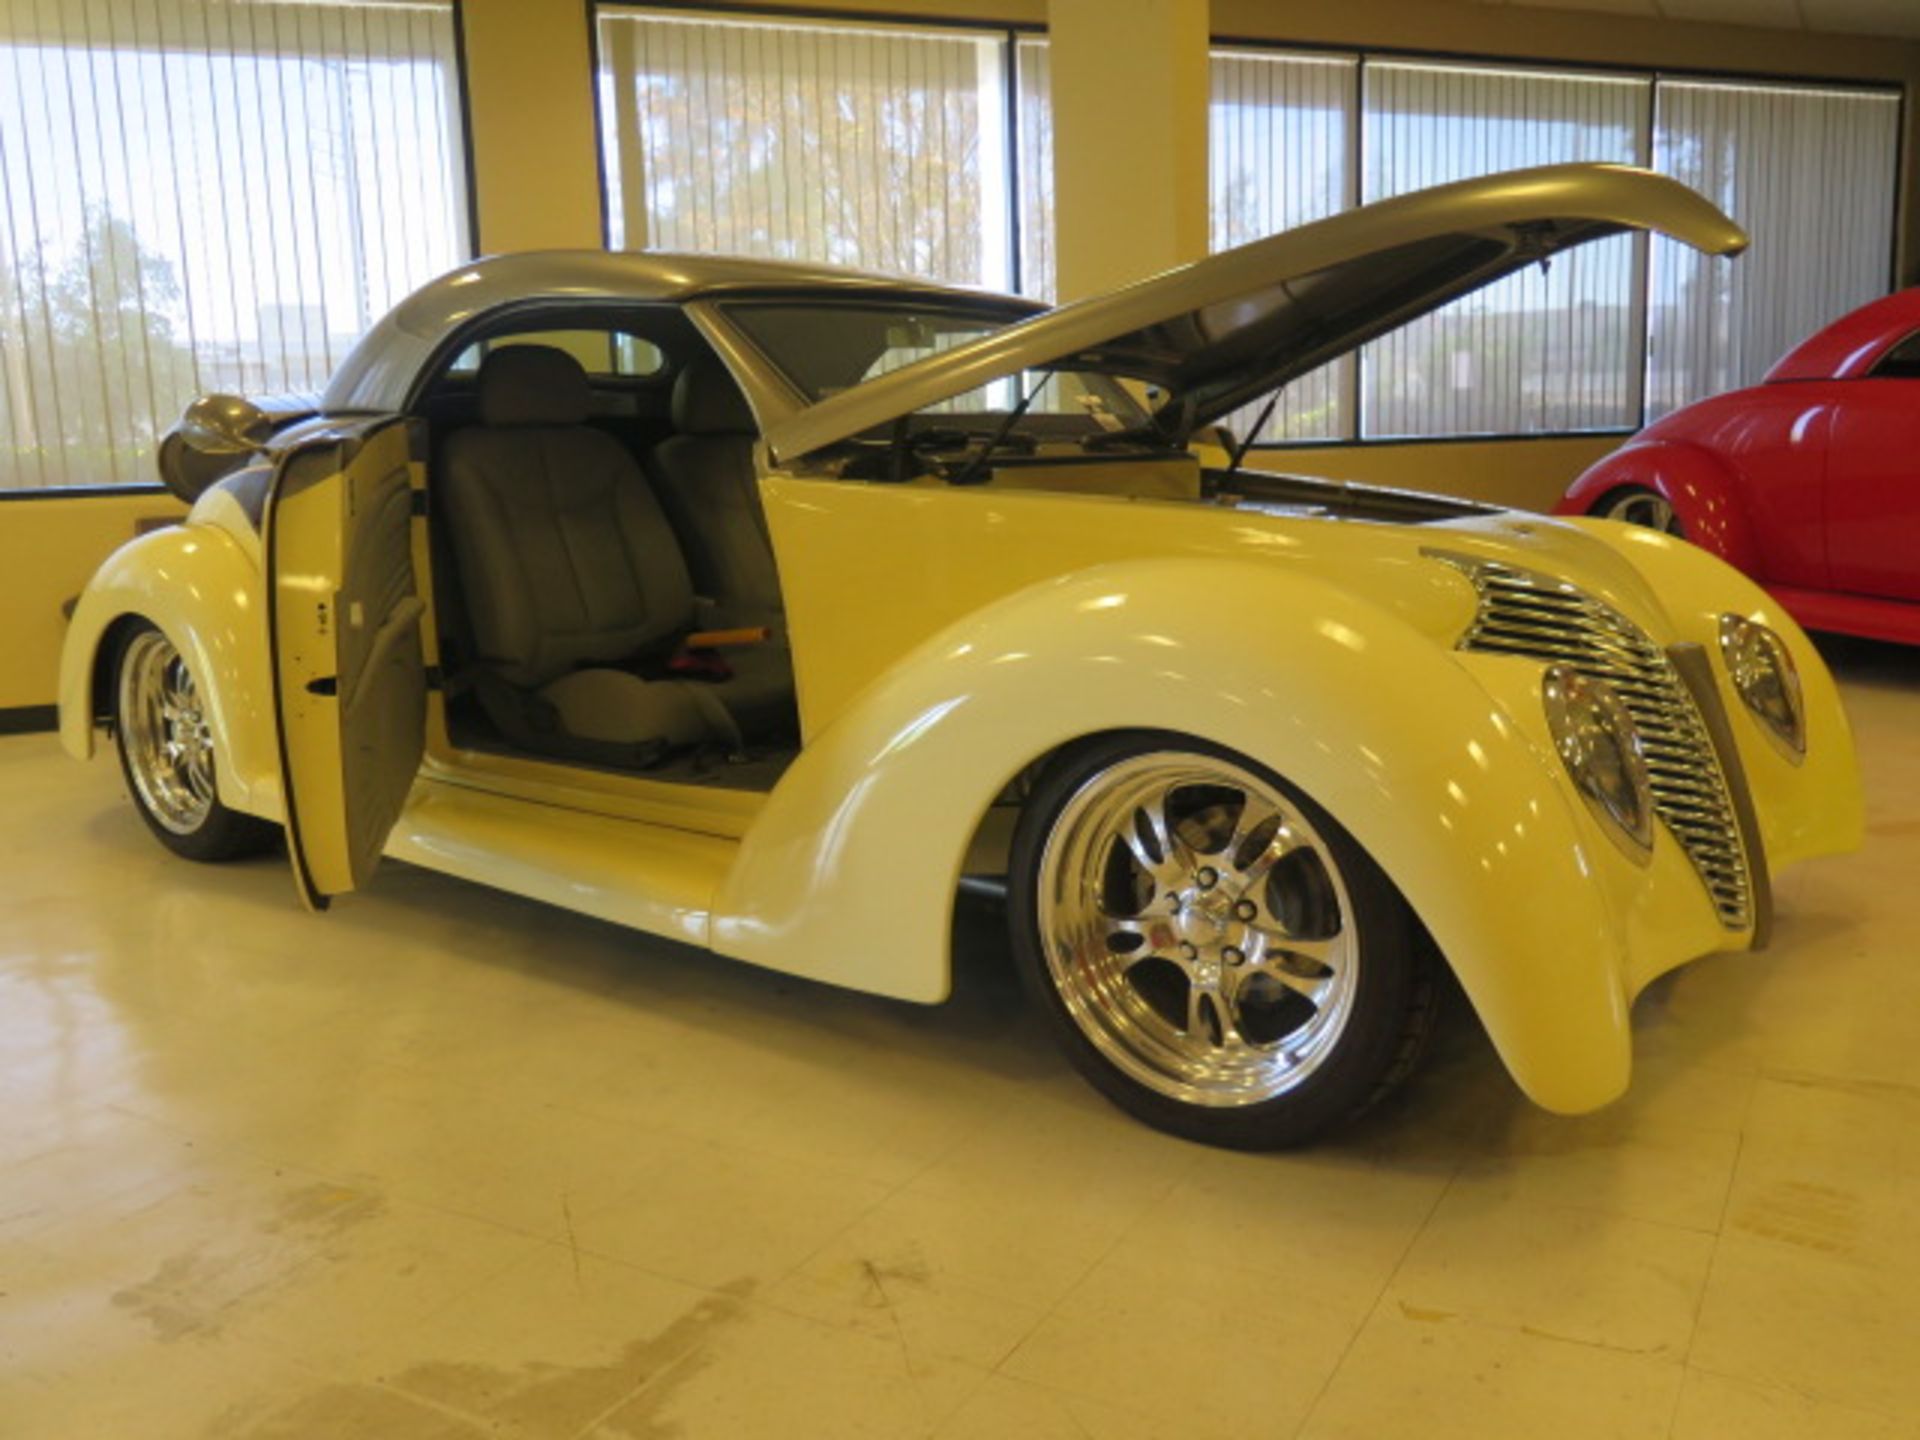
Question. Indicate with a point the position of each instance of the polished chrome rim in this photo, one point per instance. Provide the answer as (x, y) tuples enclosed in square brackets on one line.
[(1197, 929), (1643, 507), (164, 729)]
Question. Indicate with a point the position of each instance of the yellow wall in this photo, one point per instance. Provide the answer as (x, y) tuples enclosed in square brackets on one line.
[(530, 95), (49, 546), (1526, 474), (532, 131), (1129, 115)]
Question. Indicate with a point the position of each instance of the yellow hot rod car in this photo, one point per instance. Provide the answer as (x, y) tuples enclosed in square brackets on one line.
[(767, 607)]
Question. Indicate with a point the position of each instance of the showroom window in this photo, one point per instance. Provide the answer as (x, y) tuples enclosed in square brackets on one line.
[(1282, 136), (790, 137), (1034, 155), (207, 195), (878, 146), (1549, 349), (1811, 174), (1607, 336)]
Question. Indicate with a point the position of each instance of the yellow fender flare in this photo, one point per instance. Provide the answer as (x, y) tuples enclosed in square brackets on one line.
[(202, 590), (849, 873)]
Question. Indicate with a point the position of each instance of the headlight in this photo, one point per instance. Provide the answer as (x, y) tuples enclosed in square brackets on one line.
[(1596, 737), (1763, 676)]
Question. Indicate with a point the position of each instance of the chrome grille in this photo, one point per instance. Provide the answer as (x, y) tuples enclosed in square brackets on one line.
[(1542, 618)]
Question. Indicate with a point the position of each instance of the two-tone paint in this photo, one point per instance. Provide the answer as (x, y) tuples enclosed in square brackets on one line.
[(948, 639)]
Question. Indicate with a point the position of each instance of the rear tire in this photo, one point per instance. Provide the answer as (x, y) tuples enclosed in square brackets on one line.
[(165, 741), (1637, 505), (1214, 952)]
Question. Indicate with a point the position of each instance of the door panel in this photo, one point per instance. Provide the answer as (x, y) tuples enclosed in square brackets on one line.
[(1873, 490), (345, 616)]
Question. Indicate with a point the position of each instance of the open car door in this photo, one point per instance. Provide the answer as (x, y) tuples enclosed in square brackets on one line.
[(349, 669)]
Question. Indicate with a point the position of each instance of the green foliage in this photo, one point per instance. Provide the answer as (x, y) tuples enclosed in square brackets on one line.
[(92, 371)]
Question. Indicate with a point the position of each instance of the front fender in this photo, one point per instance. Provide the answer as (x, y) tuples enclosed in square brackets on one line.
[(1806, 809), (202, 590), (1703, 490), (849, 873)]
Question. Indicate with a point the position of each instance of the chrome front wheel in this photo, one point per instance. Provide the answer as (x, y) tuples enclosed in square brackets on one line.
[(1226, 961), (1637, 506)]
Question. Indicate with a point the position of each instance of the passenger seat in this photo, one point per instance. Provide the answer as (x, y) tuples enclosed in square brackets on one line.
[(705, 478), (570, 571)]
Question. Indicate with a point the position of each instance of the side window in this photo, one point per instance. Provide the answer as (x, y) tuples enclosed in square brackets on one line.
[(1902, 362), (609, 353)]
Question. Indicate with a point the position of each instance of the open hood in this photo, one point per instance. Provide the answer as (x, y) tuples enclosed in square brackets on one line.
[(1223, 331)]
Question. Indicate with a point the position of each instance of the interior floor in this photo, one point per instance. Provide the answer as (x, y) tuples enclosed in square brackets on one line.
[(446, 1163), (758, 767)]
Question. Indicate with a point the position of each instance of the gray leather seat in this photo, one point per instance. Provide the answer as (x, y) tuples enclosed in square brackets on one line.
[(570, 571), (704, 473), (704, 476)]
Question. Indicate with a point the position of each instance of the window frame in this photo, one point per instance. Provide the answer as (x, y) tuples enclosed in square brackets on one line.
[(470, 208), (1892, 356), (1012, 31), (1654, 75), (1006, 33), (546, 314)]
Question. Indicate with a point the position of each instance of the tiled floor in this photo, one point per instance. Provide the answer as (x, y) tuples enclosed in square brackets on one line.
[(447, 1164)]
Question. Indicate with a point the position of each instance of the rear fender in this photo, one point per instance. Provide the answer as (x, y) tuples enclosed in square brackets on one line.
[(1703, 490), (202, 590), (848, 875)]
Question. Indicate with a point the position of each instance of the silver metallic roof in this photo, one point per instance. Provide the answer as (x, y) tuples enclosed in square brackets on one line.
[(378, 372)]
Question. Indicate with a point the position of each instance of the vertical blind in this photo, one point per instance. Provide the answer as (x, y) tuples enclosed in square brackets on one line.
[(222, 194), (1810, 174), (1033, 83), (206, 195), (1618, 328), (1282, 132), (877, 146), (1542, 350)]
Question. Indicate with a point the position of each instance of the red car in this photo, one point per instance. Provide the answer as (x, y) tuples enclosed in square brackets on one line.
[(1808, 481)]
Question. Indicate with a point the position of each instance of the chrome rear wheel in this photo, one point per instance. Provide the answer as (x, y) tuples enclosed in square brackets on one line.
[(1643, 507), (164, 734)]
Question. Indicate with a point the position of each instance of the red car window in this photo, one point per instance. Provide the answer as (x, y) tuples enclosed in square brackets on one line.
[(1902, 362)]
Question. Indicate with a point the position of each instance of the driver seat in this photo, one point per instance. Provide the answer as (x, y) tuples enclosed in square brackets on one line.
[(570, 571)]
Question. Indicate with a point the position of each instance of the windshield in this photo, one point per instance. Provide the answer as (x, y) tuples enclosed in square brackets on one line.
[(827, 348)]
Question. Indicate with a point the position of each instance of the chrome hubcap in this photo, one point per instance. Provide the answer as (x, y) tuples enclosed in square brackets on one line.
[(1648, 509), (1197, 929), (168, 742)]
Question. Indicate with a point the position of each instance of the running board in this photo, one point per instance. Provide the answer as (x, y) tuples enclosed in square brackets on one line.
[(647, 877)]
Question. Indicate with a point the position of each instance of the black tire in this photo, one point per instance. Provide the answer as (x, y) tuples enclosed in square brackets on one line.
[(211, 834), (1389, 1004), (1638, 505)]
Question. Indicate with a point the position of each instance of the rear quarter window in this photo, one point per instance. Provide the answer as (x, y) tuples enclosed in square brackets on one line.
[(1902, 362), (605, 353)]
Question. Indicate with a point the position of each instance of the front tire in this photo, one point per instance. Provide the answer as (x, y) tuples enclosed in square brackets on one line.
[(165, 741), (1637, 505), (1214, 952)]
